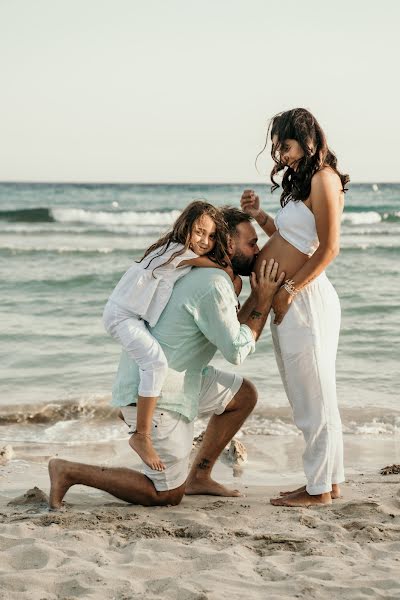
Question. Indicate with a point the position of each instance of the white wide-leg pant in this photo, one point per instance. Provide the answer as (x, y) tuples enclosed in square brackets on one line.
[(305, 346), (132, 333)]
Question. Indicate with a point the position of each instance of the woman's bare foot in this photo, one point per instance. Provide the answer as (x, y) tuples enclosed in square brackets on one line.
[(59, 484), (302, 498), (141, 443), (208, 487), (335, 493)]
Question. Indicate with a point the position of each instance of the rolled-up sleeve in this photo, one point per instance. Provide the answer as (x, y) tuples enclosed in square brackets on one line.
[(215, 316)]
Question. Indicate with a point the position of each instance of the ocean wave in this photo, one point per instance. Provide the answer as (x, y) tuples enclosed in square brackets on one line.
[(16, 250), (370, 246), (80, 215), (161, 218), (282, 425), (369, 217), (96, 412), (374, 427), (361, 218), (28, 215), (56, 229), (374, 231), (138, 246), (65, 433), (93, 408)]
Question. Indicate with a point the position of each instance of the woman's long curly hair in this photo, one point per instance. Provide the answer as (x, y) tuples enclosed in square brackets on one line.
[(182, 231), (300, 125)]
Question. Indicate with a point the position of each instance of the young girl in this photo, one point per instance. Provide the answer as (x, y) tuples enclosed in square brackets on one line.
[(304, 239), (197, 239)]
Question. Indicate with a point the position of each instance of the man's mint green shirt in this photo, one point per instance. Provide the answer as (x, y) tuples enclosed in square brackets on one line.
[(199, 318)]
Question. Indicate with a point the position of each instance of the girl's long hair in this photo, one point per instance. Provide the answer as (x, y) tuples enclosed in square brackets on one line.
[(182, 230), (300, 125)]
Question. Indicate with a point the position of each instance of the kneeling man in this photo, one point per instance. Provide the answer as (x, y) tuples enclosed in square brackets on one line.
[(200, 318)]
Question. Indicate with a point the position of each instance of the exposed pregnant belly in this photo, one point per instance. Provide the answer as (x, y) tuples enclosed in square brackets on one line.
[(289, 258)]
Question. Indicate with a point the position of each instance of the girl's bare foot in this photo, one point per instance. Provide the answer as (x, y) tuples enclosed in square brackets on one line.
[(335, 493), (302, 498), (141, 443)]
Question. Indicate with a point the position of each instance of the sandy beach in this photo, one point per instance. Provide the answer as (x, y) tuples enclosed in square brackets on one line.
[(208, 547)]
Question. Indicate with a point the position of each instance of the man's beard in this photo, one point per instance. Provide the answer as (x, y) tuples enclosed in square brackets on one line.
[(241, 264)]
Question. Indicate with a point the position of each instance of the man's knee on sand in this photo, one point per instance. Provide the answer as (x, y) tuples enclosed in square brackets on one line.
[(167, 498)]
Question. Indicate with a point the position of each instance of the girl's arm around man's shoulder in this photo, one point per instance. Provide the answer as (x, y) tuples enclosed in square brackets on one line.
[(205, 262)]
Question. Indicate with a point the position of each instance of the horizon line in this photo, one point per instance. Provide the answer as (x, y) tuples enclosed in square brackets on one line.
[(160, 183)]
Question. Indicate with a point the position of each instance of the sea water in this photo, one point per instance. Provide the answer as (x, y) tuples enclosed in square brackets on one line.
[(64, 246)]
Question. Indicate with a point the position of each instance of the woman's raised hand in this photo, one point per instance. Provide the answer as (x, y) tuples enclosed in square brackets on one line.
[(250, 203)]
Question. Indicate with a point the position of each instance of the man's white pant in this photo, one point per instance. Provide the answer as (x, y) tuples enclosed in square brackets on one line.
[(172, 433), (305, 346)]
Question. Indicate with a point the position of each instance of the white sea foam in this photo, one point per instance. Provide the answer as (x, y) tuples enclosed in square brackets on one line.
[(78, 215), (88, 430), (162, 219), (50, 229), (374, 231), (16, 249), (361, 218), (374, 427), (68, 432), (277, 426)]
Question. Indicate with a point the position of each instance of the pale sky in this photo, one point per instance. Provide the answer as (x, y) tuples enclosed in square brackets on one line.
[(182, 90)]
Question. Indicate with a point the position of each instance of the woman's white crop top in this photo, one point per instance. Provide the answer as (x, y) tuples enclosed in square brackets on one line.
[(296, 224)]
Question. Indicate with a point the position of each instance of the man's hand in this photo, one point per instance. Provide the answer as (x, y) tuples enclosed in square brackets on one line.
[(265, 286), (250, 203)]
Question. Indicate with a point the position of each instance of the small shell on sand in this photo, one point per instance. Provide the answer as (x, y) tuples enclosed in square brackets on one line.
[(32, 496), (236, 454), (198, 439), (391, 470), (6, 454)]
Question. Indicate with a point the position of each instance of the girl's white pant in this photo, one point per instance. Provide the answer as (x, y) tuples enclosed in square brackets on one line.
[(305, 346), (132, 333)]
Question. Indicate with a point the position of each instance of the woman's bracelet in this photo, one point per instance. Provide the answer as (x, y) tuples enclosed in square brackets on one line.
[(264, 221), (289, 287)]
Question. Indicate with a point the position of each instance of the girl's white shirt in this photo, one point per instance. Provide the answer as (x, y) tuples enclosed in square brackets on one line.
[(144, 290)]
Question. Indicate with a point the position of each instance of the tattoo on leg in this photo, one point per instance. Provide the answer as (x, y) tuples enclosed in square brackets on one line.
[(255, 314), (204, 464)]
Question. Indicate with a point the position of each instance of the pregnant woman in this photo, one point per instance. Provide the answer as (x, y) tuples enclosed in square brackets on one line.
[(304, 239)]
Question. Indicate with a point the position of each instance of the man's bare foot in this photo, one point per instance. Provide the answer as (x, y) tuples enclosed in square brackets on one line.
[(335, 493), (59, 484), (208, 487), (141, 443), (302, 498)]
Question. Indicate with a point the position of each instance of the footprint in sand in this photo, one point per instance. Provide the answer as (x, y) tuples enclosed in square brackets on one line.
[(26, 558)]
